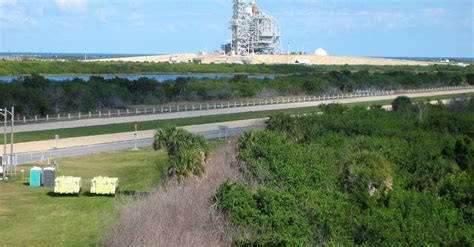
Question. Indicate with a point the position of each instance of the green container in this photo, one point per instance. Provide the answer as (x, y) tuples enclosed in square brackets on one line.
[(35, 176)]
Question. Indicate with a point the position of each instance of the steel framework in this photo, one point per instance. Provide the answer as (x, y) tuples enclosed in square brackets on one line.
[(253, 32)]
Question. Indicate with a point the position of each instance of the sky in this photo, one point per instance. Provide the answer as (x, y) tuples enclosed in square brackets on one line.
[(384, 28)]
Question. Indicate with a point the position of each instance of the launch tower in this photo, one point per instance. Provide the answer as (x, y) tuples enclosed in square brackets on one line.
[(253, 32)]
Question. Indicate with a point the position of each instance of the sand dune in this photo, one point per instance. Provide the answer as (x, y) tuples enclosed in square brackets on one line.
[(267, 59)]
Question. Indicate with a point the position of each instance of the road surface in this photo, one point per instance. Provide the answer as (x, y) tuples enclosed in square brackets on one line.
[(200, 113), (37, 146), (28, 158)]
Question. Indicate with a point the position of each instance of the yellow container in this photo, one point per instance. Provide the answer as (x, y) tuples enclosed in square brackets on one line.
[(67, 185), (104, 186)]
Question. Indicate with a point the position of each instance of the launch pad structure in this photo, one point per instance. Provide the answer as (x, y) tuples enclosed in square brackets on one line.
[(253, 32)]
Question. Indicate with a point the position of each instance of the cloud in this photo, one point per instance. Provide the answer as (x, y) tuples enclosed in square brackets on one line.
[(136, 19), (103, 14), (7, 3), (15, 18), (74, 5)]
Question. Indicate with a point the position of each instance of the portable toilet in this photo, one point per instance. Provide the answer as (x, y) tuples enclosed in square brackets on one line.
[(67, 185), (104, 186), (48, 176), (35, 176)]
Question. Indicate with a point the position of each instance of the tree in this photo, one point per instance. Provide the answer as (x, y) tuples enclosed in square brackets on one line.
[(187, 153), (180, 86), (470, 79), (464, 151), (402, 104)]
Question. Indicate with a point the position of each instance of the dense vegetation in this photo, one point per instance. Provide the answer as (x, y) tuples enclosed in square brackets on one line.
[(187, 153), (352, 176), (100, 68), (35, 95)]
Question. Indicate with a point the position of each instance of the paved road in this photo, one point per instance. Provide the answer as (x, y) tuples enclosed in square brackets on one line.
[(27, 158), (177, 115), (63, 143)]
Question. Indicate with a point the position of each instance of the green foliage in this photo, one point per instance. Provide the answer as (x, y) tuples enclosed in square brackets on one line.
[(402, 104), (470, 79), (96, 68), (355, 177), (187, 153), (365, 175), (35, 95)]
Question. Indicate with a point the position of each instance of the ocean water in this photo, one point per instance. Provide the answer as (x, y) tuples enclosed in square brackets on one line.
[(158, 77), (69, 55), (435, 59)]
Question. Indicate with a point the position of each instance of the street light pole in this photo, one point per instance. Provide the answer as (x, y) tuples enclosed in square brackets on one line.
[(136, 137), (11, 138), (4, 112)]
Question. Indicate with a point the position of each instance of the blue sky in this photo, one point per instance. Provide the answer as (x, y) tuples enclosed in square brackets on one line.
[(414, 28)]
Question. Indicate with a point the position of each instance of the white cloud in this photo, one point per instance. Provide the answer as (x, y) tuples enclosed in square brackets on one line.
[(7, 3), (103, 14), (15, 18), (74, 5), (136, 19)]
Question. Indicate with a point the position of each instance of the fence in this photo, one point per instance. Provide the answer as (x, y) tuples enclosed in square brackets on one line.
[(223, 105)]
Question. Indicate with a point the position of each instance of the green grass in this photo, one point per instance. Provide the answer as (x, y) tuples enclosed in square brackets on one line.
[(149, 125), (33, 217)]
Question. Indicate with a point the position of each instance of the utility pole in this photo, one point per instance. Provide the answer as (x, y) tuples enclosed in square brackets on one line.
[(136, 137), (4, 112), (11, 137)]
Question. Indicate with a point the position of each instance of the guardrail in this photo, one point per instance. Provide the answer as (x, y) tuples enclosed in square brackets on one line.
[(222, 105)]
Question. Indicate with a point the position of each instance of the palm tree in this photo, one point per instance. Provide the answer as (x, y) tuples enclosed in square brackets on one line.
[(187, 153)]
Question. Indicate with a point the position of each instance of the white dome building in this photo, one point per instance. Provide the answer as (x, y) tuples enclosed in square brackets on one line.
[(321, 52)]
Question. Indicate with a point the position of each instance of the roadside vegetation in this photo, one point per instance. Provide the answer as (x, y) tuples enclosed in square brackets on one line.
[(36, 95), (150, 125), (356, 177)]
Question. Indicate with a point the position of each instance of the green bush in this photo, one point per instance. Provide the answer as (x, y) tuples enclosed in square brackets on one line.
[(355, 177)]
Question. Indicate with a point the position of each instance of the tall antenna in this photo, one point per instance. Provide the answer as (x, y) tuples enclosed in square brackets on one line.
[(85, 54)]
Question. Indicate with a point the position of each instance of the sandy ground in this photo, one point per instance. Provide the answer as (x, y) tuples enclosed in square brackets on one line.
[(36, 146), (177, 115), (267, 59)]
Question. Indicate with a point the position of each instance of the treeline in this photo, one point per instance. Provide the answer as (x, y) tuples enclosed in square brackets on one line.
[(357, 177), (15, 68), (36, 95)]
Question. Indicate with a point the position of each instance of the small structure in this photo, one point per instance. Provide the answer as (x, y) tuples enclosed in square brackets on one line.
[(67, 185), (197, 60), (35, 176), (49, 176), (302, 61), (104, 186)]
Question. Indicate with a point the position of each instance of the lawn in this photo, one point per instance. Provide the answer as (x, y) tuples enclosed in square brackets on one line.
[(119, 128), (35, 217)]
